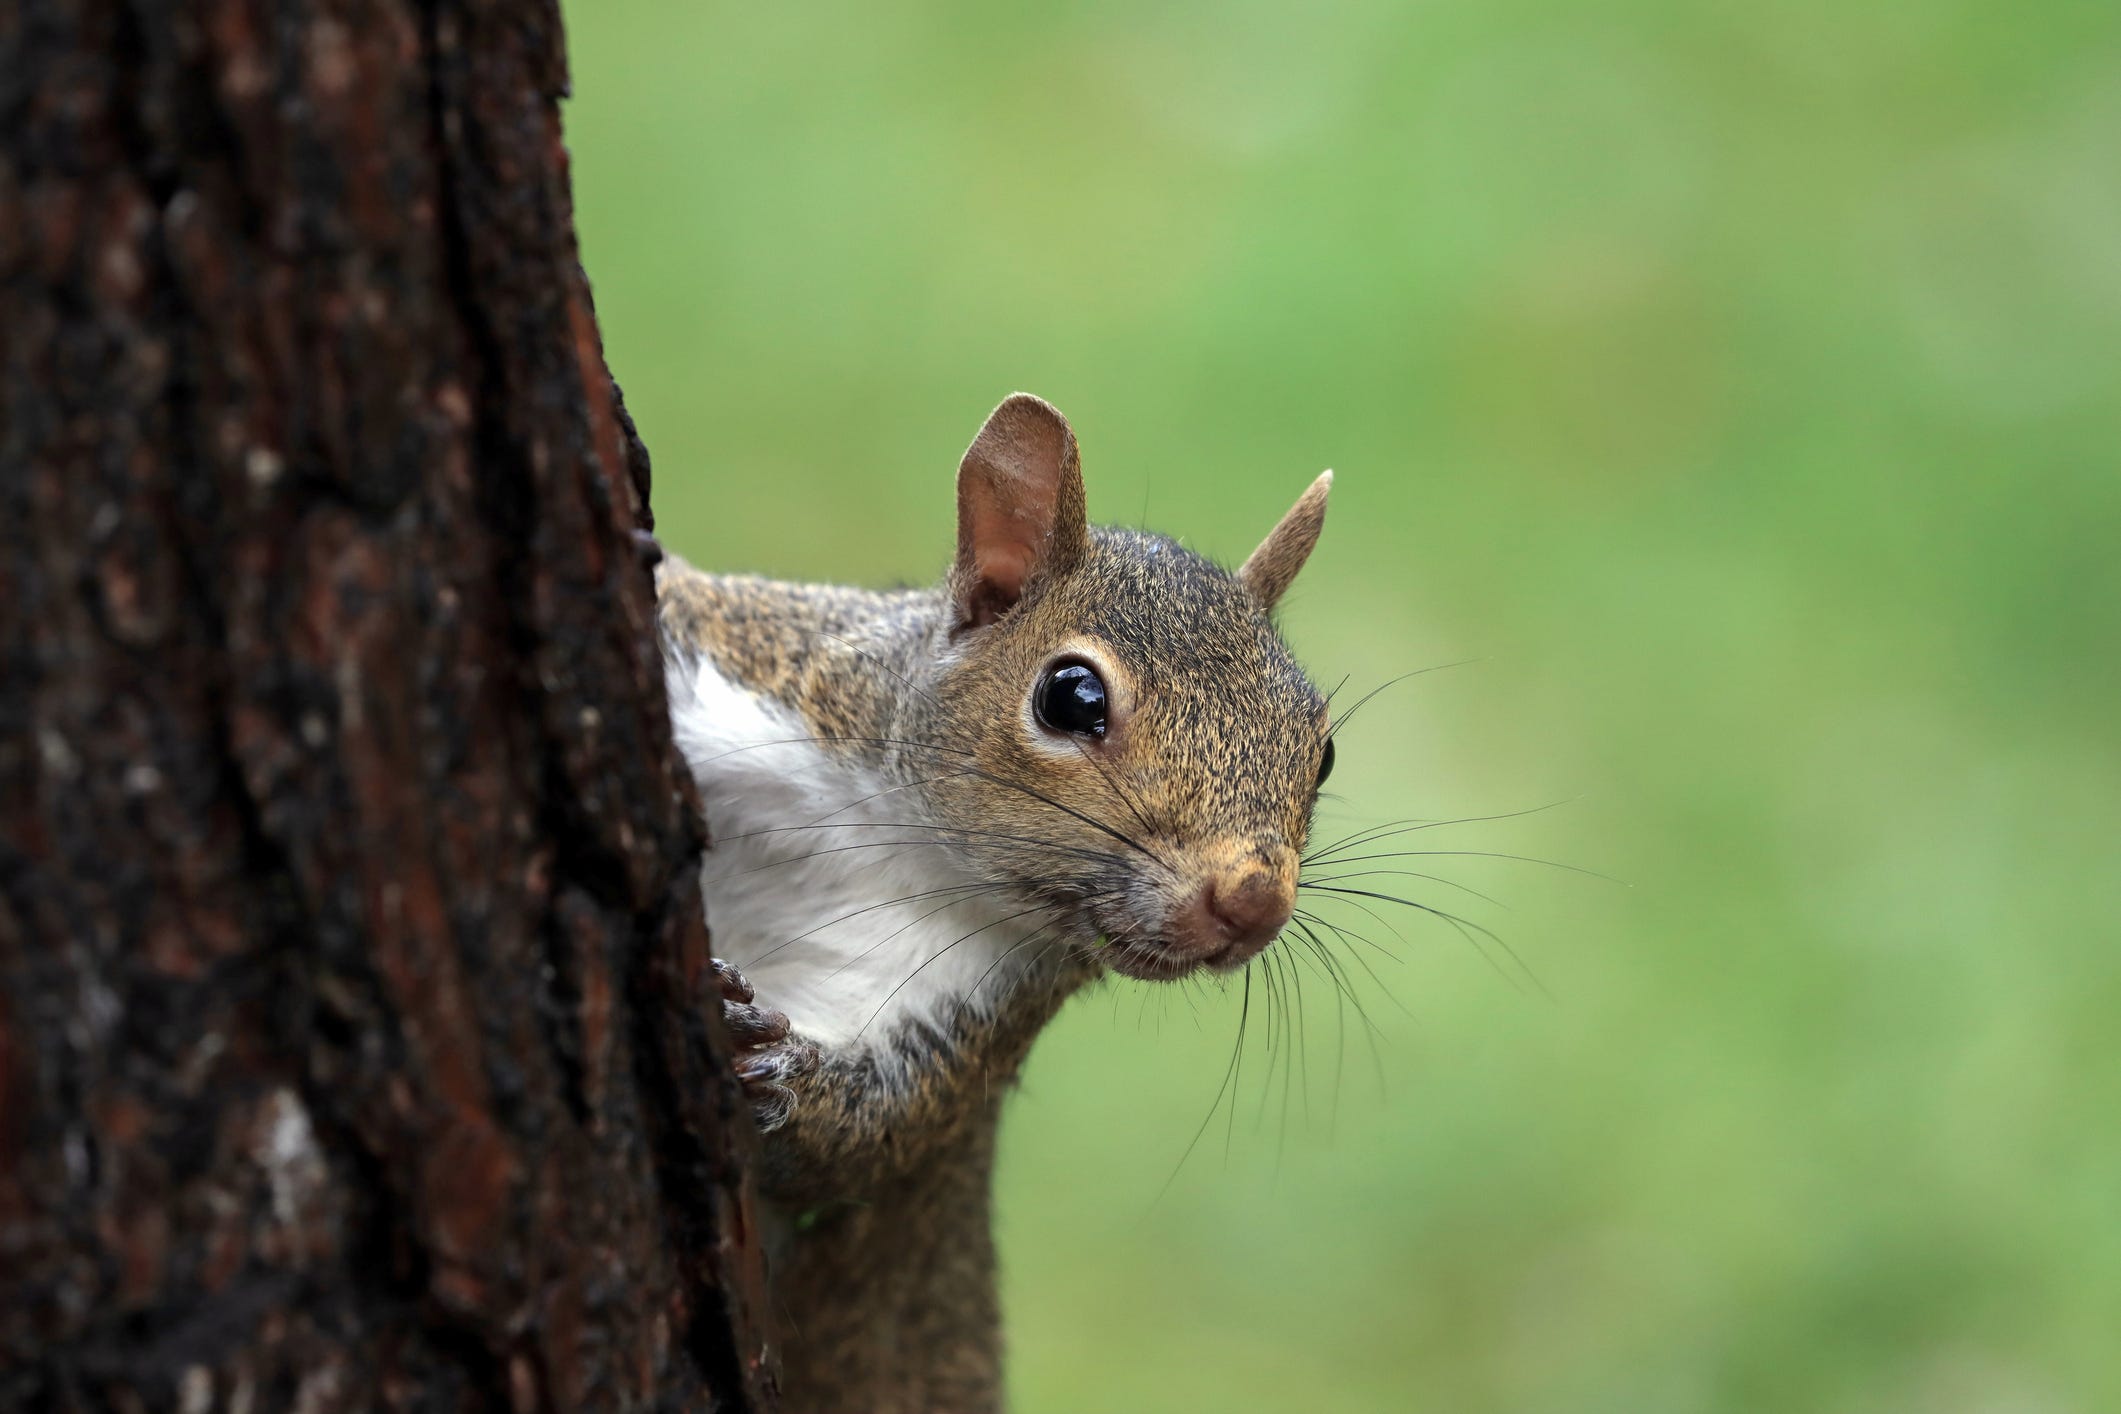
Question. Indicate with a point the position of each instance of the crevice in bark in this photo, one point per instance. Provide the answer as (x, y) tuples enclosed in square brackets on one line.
[(673, 1060)]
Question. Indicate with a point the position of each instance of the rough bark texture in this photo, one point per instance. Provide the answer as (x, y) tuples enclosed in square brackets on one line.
[(352, 1046)]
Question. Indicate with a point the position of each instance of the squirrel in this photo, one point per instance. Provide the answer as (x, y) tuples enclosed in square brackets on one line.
[(935, 814)]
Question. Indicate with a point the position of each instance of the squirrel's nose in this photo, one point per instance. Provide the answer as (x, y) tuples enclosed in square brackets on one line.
[(1243, 914)]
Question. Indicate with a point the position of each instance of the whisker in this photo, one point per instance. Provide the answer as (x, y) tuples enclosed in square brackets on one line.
[(1112, 784), (1026, 941), (974, 991), (1455, 920), (1011, 918), (1482, 854), (1408, 827), (970, 889), (1365, 939), (1360, 702), (1346, 934), (998, 780), (943, 907), (1324, 962), (1291, 1040), (931, 697), (974, 771), (1092, 855), (1345, 996), (1230, 1071), (1314, 954), (949, 834), (1400, 874), (1238, 1076), (1274, 1000), (1357, 838)]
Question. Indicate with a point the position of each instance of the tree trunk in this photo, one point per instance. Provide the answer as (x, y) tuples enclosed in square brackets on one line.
[(353, 1050)]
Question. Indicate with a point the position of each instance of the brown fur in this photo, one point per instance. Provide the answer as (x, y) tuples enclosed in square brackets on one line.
[(1208, 769), (1268, 571)]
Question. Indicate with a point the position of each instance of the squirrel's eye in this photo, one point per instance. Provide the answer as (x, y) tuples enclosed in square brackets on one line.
[(1071, 698), (1325, 762)]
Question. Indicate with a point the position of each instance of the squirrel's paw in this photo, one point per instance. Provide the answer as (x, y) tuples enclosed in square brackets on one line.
[(769, 1059)]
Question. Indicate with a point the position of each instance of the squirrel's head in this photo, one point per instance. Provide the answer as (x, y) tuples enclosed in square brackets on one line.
[(1127, 738)]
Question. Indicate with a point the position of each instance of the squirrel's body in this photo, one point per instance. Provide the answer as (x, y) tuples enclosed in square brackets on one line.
[(937, 813)]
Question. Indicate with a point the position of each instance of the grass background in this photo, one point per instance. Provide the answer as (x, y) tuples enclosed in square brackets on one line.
[(1740, 385)]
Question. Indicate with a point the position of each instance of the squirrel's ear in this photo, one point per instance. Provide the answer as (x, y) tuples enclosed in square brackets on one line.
[(1271, 568), (1020, 510)]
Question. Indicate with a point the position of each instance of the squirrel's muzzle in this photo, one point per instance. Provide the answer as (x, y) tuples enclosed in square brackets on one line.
[(1235, 912)]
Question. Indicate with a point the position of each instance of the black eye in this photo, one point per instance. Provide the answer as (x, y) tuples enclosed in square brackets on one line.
[(1071, 698), (1325, 762)]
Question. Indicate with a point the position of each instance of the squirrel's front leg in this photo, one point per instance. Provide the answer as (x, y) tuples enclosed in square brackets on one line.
[(880, 1160), (837, 1121)]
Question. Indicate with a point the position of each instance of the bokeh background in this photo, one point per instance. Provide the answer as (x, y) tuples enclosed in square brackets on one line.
[(1739, 386)]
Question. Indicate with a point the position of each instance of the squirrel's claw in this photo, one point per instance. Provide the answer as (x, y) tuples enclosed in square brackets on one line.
[(731, 982), (752, 1027), (769, 1058), (769, 1075)]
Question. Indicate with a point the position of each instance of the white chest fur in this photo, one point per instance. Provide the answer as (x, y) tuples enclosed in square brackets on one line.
[(826, 884)]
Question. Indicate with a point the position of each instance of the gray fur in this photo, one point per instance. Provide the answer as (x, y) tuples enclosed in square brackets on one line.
[(880, 1150)]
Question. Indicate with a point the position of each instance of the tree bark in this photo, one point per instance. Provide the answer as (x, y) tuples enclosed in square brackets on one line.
[(354, 1043)]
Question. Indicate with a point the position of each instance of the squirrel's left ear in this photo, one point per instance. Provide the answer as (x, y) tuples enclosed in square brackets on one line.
[(1020, 509), (1271, 568)]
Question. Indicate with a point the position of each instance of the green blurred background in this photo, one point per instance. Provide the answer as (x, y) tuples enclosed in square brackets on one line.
[(1740, 385)]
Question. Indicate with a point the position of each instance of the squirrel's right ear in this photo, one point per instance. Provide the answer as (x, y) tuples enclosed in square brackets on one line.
[(1020, 508), (1274, 564)]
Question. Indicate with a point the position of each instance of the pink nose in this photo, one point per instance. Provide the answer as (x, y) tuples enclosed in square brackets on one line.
[(1233, 917), (1252, 911)]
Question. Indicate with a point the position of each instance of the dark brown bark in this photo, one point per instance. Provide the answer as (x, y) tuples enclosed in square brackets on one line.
[(352, 1052)]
